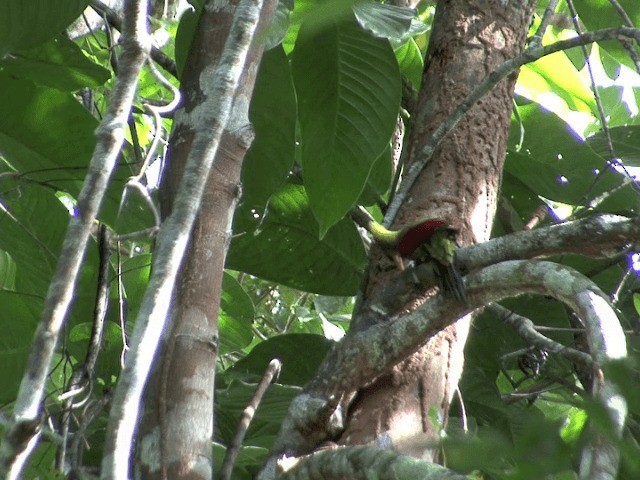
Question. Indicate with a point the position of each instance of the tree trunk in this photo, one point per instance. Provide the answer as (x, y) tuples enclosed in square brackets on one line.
[(408, 407), (177, 427)]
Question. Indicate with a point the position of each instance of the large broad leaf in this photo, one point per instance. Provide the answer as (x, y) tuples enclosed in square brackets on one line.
[(618, 111), (18, 319), (184, 37), (379, 180), (272, 153), (49, 139), (235, 317), (348, 86), (33, 225), (563, 167), (625, 141), (25, 24), (58, 63), (555, 74), (521, 199), (282, 244), (596, 14), (388, 21), (300, 355), (7, 271)]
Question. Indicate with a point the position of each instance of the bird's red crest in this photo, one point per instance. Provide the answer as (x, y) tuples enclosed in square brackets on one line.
[(417, 235)]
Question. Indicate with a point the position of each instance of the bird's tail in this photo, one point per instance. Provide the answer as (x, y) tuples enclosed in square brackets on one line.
[(451, 282)]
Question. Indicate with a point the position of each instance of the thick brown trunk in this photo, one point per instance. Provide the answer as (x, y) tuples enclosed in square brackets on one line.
[(177, 428), (408, 407)]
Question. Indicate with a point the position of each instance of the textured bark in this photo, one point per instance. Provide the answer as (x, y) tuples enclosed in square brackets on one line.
[(176, 432), (407, 407), (365, 462)]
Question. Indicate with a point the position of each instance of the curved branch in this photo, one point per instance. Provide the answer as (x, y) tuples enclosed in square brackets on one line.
[(360, 359), (356, 462), (596, 236)]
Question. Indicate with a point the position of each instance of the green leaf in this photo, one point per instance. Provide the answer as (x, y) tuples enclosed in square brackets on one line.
[(184, 37), (33, 228), (282, 244), (19, 316), (519, 197), (470, 452), (576, 422), (388, 21), (537, 80), (247, 464), (59, 63), (235, 317), (41, 460), (135, 278), (60, 135), (279, 25), (540, 450), (379, 180), (231, 401), (617, 110), (28, 23), (7, 271), (624, 375), (300, 355), (49, 138), (272, 153), (596, 15), (108, 364), (411, 62), (625, 141), (348, 86), (636, 302), (563, 168)]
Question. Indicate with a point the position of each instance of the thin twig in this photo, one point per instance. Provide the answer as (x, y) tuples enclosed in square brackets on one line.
[(270, 376), (114, 19), (527, 331), (550, 11), (82, 378), (135, 182), (628, 46), (538, 215), (626, 276), (122, 310), (146, 233)]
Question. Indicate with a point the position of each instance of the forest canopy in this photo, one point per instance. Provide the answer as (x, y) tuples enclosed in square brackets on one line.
[(186, 194)]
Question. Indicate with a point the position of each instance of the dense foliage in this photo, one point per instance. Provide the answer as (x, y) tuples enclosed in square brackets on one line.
[(324, 109)]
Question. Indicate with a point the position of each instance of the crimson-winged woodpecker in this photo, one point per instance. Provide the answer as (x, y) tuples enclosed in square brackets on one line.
[(426, 240)]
